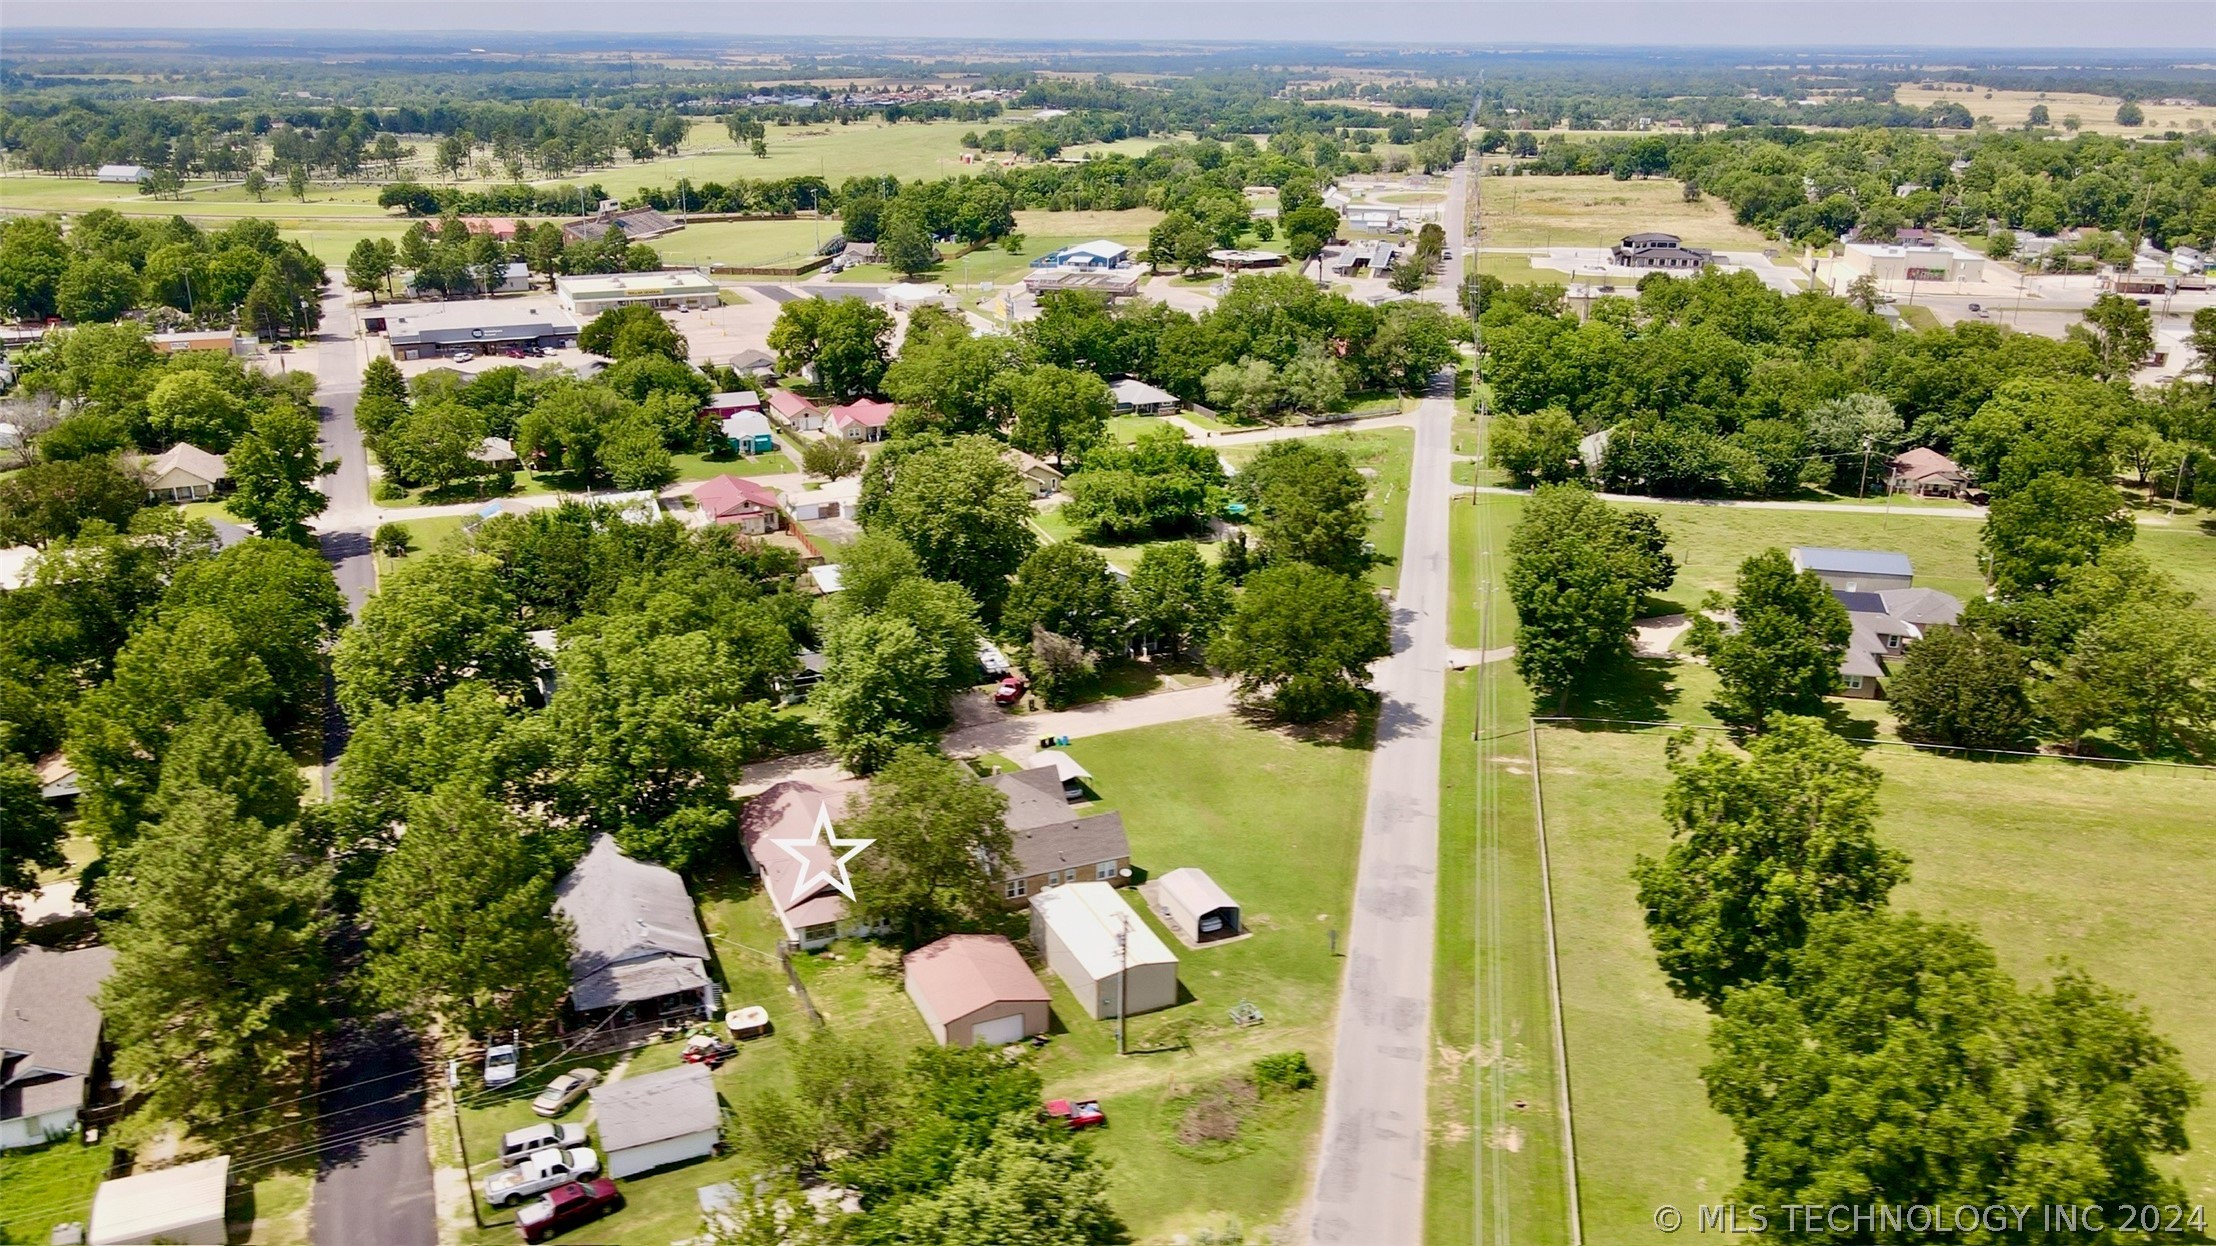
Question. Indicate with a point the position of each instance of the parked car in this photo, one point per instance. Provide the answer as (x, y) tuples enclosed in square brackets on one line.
[(519, 1144), (464, 356), (500, 1065), (280, 348), (566, 1206), (1077, 1114), (539, 1172), (565, 1090), (707, 1049), (1011, 690)]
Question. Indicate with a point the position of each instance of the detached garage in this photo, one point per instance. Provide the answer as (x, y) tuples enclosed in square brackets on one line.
[(1196, 907), (1102, 949), (976, 989), (657, 1119), (183, 1204)]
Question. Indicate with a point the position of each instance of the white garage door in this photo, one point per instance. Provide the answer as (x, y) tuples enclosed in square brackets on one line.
[(999, 1031)]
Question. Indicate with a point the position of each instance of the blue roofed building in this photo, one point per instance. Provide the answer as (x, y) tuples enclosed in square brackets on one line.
[(1855, 570)]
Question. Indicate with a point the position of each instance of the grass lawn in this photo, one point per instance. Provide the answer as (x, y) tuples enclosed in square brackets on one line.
[(433, 535), (1710, 542), (1598, 210), (1917, 317), (2048, 859), (746, 244), (48, 1185), (2096, 113), (707, 467), (1053, 526)]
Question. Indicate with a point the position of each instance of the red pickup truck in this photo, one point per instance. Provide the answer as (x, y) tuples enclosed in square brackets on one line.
[(567, 1206)]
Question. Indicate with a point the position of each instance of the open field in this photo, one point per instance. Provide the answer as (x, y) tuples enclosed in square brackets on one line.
[(2094, 112), (744, 244), (1598, 210), (2046, 858)]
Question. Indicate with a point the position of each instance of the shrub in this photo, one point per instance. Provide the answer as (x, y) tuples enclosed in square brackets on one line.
[(1286, 1070), (388, 490), (392, 540)]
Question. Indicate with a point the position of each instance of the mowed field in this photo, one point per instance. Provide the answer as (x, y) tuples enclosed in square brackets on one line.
[(1598, 210), (2094, 112), (2107, 868)]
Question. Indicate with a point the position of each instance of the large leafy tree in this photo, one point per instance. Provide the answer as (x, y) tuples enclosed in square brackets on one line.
[(275, 467), (438, 621), (1577, 572), (964, 511), (1540, 448), (225, 750), (1964, 687), (1761, 845), (51, 500), (2144, 671), (1302, 639), (2036, 427), (631, 332), (1065, 588), (881, 687), (284, 604), (1892, 1062), (402, 752), (1309, 505), (219, 986), (1175, 600), (1029, 1183), (1059, 411), (846, 341), (941, 851), (192, 406), (2119, 332), (2034, 535), (30, 841), (459, 931), (1781, 651)]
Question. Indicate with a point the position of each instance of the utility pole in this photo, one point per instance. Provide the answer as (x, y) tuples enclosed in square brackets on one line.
[(1123, 970), (1862, 489)]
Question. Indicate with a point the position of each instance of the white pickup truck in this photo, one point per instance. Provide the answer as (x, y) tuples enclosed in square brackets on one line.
[(539, 1172)]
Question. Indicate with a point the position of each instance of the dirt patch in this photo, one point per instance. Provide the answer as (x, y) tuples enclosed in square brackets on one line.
[(1505, 1138), (1216, 1113)]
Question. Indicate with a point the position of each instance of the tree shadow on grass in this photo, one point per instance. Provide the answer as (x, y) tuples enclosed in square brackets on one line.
[(1632, 690)]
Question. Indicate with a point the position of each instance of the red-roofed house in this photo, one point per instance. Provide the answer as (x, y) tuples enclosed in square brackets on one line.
[(500, 227), (794, 411), (863, 419), (976, 989), (814, 917), (740, 502)]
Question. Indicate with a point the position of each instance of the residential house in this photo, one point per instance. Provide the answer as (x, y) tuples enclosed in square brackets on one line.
[(811, 918), (863, 419), (182, 1205), (740, 503), (1107, 955), (1040, 477), (1193, 905), (1659, 251), (501, 228), (497, 454), (975, 988), (794, 411), (1232, 260), (652, 1120), (1136, 397), (49, 1039), (185, 473), (1049, 847), (758, 363), (1855, 570), (1926, 473), (731, 402), (1886, 622), (636, 950), (749, 432)]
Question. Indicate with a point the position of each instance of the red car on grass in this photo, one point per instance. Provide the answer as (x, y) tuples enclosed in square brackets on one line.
[(567, 1206), (1077, 1114)]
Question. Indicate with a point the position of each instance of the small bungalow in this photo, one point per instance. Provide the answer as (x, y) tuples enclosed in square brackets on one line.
[(759, 363), (863, 419), (974, 988), (57, 778), (1926, 473), (749, 432), (1049, 848), (741, 503), (182, 1204), (49, 1039), (788, 810), (1112, 961), (1136, 397), (185, 473), (652, 1120), (794, 411), (497, 454), (637, 949), (1040, 477)]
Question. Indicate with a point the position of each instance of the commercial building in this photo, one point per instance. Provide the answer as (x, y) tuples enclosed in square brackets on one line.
[(223, 340), (652, 1120), (1112, 961), (1099, 253), (975, 988), (1110, 283), (1665, 252), (182, 1205), (436, 330), (586, 297), (1894, 262)]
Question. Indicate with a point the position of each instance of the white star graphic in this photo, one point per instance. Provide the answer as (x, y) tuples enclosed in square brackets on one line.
[(837, 876)]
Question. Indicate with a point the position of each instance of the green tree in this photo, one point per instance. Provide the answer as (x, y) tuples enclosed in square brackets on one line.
[(942, 848), (51, 501), (846, 1098), (631, 332), (1307, 229), (1176, 601), (950, 381), (2055, 522), (905, 245), (274, 468), (1312, 381), (460, 931), (1027, 1184), (219, 984), (370, 265), (2120, 333), (256, 184), (1761, 846), (1059, 411), (830, 458), (1962, 687), (572, 424), (845, 342), (1781, 652), (2001, 245), (880, 689), (221, 749), (1065, 588), (30, 841), (1577, 573), (1308, 504), (96, 290), (296, 182), (1895, 1059), (1853, 432), (1540, 448), (286, 608), (2144, 671), (1249, 388), (963, 510), (434, 445), (437, 621), (1302, 638), (2129, 113), (191, 406)]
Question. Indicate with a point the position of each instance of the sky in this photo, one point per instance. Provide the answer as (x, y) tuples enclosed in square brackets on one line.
[(2055, 24)]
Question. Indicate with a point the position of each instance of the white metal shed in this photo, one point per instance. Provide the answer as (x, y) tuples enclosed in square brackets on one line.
[(1100, 947), (1200, 910), (183, 1205)]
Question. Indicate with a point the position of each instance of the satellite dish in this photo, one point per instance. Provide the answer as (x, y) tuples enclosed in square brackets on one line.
[(1125, 871)]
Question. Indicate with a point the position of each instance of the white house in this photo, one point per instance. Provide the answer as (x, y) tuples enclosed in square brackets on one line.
[(653, 1120), (1103, 950), (49, 1039), (184, 473)]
